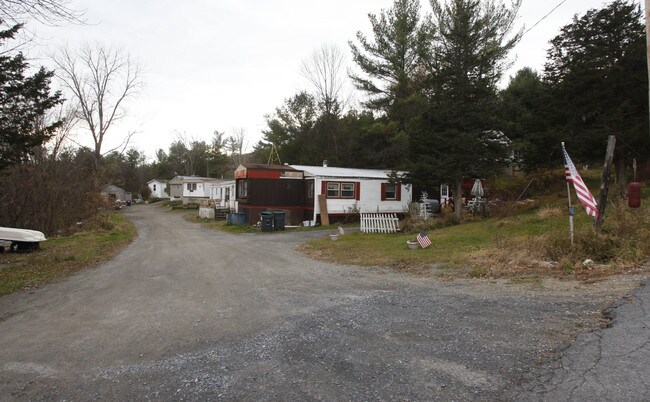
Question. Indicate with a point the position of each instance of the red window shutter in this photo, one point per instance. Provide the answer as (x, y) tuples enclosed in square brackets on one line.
[(398, 192), (323, 187), (383, 191), (357, 190)]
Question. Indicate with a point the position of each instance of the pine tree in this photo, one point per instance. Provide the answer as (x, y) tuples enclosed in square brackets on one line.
[(24, 99)]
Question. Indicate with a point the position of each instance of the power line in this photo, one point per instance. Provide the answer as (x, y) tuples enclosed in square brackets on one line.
[(544, 17)]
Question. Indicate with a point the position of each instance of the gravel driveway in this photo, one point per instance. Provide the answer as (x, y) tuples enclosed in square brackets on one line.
[(189, 313)]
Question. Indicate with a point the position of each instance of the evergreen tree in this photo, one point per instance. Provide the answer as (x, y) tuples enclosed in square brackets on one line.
[(390, 62), (24, 99), (457, 135), (525, 119), (391, 68), (291, 130), (597, 73)]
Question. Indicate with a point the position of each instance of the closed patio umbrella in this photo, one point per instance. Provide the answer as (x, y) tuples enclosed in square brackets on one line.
[(477, 189)]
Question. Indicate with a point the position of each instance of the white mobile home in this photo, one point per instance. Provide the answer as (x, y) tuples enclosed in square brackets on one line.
[(223, 195), (197, 188), (348, 190), (158, 188)]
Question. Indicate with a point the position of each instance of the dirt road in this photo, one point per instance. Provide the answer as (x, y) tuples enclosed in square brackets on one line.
[(189, 313)]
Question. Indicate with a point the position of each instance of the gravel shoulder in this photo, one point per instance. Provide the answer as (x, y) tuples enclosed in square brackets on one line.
[(190, 313)]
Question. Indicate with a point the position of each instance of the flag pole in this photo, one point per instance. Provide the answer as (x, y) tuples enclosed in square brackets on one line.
[(571, 210)]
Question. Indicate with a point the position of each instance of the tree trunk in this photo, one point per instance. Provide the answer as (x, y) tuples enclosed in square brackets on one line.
[(458, 199), (604, 180), (647, 38)]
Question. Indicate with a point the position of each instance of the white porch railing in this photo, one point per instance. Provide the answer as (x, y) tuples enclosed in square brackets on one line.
[(379, 223)]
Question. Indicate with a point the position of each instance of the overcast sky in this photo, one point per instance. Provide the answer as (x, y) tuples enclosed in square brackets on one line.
[(224, 64)]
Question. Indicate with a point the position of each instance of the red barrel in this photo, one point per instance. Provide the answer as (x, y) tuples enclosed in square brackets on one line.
[(634, 195)]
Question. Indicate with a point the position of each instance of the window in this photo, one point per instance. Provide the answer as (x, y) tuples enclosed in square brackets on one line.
[(390, 191), (347, 190), (242, 189), (333, 190), (337, 189), (191, 187), (310, 190), (154, 187), (227, 194)]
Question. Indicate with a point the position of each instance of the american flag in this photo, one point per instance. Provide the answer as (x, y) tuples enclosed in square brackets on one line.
[(584, 195), (341, 231), (423, 239)]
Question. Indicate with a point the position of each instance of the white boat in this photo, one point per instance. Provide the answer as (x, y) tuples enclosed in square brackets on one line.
[(20, 239)]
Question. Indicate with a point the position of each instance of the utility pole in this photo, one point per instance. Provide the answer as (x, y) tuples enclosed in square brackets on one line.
[(647, 41)]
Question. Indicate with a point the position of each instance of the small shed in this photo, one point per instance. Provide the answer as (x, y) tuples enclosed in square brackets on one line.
[(112, 193)]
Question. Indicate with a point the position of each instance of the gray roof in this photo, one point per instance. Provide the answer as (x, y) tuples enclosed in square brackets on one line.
[(322, 171)]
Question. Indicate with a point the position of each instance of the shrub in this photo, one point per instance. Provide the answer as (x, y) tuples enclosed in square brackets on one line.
[(352, 214), (624, 238), (413, 209), (416, 224)]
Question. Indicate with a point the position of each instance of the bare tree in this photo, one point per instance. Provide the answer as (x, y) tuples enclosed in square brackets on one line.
[(67, 114), (49, 12), (235, 145), (190, 153), (100, 78), (324, 69)]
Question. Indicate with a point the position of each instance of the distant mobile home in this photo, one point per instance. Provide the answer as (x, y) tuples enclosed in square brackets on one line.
[(158, 188), (176, 187), (197, 188), (224, 195)]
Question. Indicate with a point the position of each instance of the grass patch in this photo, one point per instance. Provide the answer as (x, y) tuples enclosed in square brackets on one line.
[(57, 258), (224, 227), (172, 203), (184, 207), (528, 244), (220, 225)]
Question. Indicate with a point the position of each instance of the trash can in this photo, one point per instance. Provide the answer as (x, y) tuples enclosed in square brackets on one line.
[(236, 218), (278, 220), (267, 221)]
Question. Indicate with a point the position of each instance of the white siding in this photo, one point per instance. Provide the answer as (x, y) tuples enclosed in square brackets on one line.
[(220, 191), (369, 200), (158, 189), (202, 190)]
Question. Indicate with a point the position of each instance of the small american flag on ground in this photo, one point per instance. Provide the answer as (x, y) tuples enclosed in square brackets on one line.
[(423, 239), (341, 231), (584, 195)]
